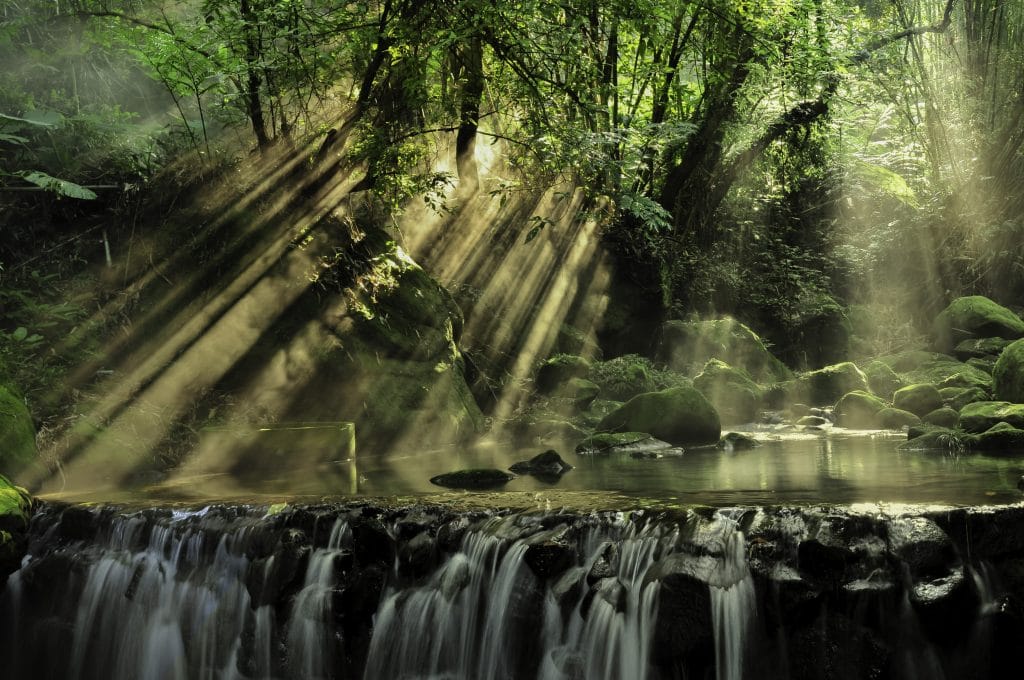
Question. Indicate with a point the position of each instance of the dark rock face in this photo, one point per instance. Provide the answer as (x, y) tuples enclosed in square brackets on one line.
[(473, 479), (547, 465), (359, 590)]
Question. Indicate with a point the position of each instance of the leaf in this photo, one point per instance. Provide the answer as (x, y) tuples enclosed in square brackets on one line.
[(534, 232), (20, 333), (59, 186), (886, 181), (14, 139)]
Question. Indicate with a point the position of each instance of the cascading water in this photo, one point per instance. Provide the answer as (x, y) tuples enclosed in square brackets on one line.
[(332, 592)]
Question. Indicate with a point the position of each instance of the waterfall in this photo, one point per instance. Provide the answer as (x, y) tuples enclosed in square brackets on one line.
[(733, 605)]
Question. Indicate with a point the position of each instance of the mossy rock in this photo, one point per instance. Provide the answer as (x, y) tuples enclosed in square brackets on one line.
[(826, 385), (982, 415), (685, 346), (732, 392), (1008, 374), (571, 340), (943, 417), (974, 316), (940, 440), (940, 370), (17, 434), (580, 391), (958, 397), (1000, 438), (681, 416), (896, 419), (980, 348), (15, 506), (987, 365), (858, 410), (473, 479), (918, 399), (597, 410), (737, 441), (601, 443), (558, 370), (882, 380)]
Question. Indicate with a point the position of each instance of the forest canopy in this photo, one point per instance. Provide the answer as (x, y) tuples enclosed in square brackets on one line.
[(777, 159)]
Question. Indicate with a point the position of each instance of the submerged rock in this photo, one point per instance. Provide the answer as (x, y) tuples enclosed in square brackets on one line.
[(1008, 374), (681, 416), (974, 316), (473, 479), (545, 465), (620, 442)]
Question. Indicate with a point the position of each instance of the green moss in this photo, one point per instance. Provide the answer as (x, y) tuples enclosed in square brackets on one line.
[(941, 440), (15, 506), (940, 370), (975, 316), (896, 419), (626, 376), (882, 380), (918, 399), (17, 434), (982, 415), (1000, 438), (732, 392), (558, 370), (980, 348), (958, 397), (680, 416), (858, 410), (1008, 374), (943, 417), (685, 346), (826, 385)]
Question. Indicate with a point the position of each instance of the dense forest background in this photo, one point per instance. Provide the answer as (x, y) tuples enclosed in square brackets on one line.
[(832, 172)]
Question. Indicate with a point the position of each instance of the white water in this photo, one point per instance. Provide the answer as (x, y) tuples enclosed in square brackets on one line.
[(733, 605)]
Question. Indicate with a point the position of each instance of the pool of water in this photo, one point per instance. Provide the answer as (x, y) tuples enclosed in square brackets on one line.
[(833, 466)]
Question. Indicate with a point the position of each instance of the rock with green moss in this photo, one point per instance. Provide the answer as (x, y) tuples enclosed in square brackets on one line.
[(558, 370), (685, 346), (896, 419), (974, 316), (626, 376), (826, 385), (580, 391), (987, 364), (982, 415), (475, 479), (858, 410), (17, 433), (1008, 374), (918, 399), (732, 392), (608, 443), (15, 509), (940, 440), (681, 416), (940, 370), (999, 439), (958, 397), (943, 417), (882, 380), (980, 348)]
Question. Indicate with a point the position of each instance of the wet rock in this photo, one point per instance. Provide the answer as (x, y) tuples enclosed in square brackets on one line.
[(567, 589), (473, 479), (1001, 438), (939, 440), (546, 465), (270, 579), (945, 605), (835, 647), (681, 416), (77, 523), (736, 441), (922, 545), (619, 442), (683, 625), (974, 316), (418, 556), (371, 542), (549, 559), (602, 567), (608, 590), (813, 421)]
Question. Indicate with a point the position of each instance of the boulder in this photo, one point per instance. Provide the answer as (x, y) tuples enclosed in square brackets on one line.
[(685, 346), (602, 443), (941, 370), (958, 397), (938, 439), (732, 392), (17, 433), (1008, 374), (473, 479), (980, 348), (827, 385), (943, 417), (1000, 438), (681, 416), (882, 380), (918, 399), (858, 410), (896, 419), (737, 441), (982, 415), (558, 370), (813, 421), (15, 508), (546, 465), (974, 316), (580, 391)]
